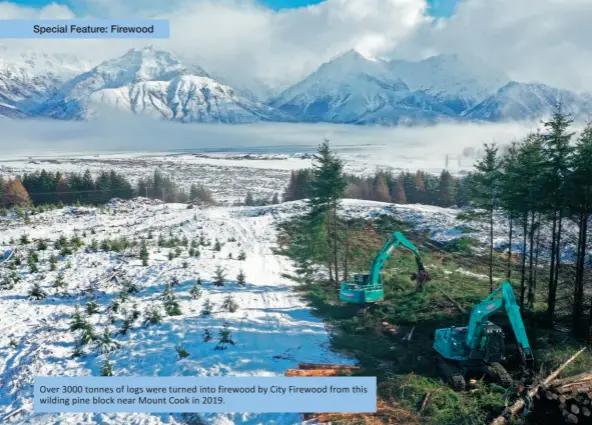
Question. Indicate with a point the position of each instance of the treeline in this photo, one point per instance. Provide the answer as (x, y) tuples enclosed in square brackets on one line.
[(46, 187), (541, 185), (419, 187)]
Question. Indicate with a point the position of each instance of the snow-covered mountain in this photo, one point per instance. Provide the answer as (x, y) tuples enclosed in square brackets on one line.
[(519, 101), (29, 78), (356, 89), (457, 82), (154, 82)]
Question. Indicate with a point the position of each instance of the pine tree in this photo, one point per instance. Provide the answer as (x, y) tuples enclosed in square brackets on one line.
[(36, 292), (53, 261), (41, 245), (91, 307), (171, 304), (220, 276), (88, 333), (195, 292), (225, 338), (207, 308), (398, 195), (59, 282), (153, 317), (580, 189), (207, 336), (106, 369), (486, 193), (558, 151), (217, 245), (229, 304), (242, 256), (144, 254), (327, 188), (107, 344), (446, 189), (181, 352), (241, 279)]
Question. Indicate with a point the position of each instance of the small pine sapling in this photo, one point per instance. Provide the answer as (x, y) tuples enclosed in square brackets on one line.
[(107, 344), (36, 292), (144, 254), (241, 279), (181, 352), (229, 304), (207, 336), (91, 307), (106, 369), (219, 276), (153, 317), (207, 308), (217, 246), (242, 256), (225, 336), (195, 292)]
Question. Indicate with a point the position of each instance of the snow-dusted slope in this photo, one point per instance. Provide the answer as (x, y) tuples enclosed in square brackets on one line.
[(154, 82), (458, 82), (518, 101), (28, 78), (355, 89), (273, 329)]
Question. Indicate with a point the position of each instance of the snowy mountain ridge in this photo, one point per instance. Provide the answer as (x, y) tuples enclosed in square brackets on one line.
[(351, 88)]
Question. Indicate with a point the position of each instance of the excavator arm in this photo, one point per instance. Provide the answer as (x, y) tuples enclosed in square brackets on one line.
[(490, 305), (396, 239)]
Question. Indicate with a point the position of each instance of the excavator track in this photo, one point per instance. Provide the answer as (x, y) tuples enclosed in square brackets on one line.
[(452, 374), (500, 375)]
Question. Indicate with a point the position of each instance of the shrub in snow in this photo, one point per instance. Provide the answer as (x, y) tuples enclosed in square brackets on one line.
[(144, 254), (229, 304), (129, 287), (36, 292), (241, 279), (171, 255), (217, 245), (219, 276), (41, 245), (53, 261), (106, 369), (207, 336), (59, 282), (92, 307), (182, 352), (225, 338), (195, 292), (24, 239), (88, 333), (207, 308), (185, 264), (107, 344), (153, 317), (242, 256), (171, 304)]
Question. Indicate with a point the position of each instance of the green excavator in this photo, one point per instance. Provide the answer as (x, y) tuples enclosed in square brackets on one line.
[(479, 347), (368, 288)]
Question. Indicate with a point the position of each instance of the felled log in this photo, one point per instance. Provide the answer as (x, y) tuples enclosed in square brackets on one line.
[(519, 404), (307, 366), (312, 372)]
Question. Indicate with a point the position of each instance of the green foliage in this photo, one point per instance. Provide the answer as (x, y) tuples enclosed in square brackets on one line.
[(153, 317), (41, 245), (217, 245), (220, 276), (225, 337), (195, 292), (181, 352), (106, 369), (91, 307), (36, 292), (207, 308), (171, 304), (241, 279), (144, 254), (229, 304)]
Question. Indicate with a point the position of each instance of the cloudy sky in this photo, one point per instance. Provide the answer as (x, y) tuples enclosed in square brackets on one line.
[(282, 40)]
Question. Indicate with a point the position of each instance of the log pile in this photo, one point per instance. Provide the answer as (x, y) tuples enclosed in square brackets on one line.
[(568, 400), (312, 369)]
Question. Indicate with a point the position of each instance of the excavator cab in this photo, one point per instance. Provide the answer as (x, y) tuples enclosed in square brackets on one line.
[(368, 287)]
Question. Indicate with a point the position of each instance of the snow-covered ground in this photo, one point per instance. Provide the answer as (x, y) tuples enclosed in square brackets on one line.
[(273, 328)]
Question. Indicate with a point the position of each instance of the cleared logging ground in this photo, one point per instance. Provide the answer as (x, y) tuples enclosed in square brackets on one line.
[(393, 339)]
